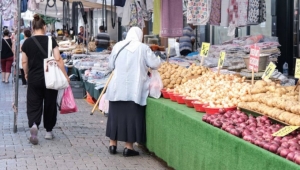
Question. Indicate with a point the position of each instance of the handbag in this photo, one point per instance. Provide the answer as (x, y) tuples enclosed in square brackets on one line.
[(54, 77)]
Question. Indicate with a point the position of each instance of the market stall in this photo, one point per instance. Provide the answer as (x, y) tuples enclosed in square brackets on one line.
[(176, 134)]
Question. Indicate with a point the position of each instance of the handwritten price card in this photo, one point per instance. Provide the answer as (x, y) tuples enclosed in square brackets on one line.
[(269, 71), (285, 131), (204, 49), (297, 69), (221, 59), (254, 58)]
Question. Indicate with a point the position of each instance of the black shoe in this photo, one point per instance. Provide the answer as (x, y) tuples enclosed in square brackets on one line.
[(112, 149), (129, 152)]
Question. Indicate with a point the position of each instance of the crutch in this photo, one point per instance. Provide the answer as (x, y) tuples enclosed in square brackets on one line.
[(104, 89)]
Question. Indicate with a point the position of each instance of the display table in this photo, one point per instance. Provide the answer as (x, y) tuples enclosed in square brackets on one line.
[(176, 134), (89, 87)]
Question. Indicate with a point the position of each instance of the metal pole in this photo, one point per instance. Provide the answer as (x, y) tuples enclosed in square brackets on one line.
[(0, 37), (17, 54)]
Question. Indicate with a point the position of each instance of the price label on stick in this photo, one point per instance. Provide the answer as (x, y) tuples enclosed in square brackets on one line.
[(269, 71), (285, 131), (297, 69), (204, 49), (221, 59), (254, 58)]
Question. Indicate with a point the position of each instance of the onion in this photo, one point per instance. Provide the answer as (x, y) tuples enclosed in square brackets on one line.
[(297, 158), (284, 152), (273, 147), (285, 144), (280, 149), (246, 132), (290, 156), (222, 111), (266, 145)]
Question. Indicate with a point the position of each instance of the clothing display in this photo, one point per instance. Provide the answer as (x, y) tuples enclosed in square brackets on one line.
[(215, 14), (171, 22), (198, 12), (156, 17)]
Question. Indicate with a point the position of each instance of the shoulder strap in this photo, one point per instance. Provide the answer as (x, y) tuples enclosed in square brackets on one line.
[(120, 51), (39, 45), (7, 43)]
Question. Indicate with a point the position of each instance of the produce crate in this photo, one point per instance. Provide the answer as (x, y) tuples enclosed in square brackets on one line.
[(77, 89)]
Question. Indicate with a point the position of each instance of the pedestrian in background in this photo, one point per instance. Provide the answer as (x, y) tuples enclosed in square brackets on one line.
[(7, 56), (102, 40), (128, 90), (40, 100), (27, 34)]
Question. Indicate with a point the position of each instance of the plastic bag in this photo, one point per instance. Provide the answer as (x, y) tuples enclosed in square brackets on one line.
[(155, 85), (104, 104), (68, 104), (59, 98)]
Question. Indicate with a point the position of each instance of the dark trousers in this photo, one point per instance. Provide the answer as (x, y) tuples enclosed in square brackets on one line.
[(41, 101), (24, 82), (185, 52)]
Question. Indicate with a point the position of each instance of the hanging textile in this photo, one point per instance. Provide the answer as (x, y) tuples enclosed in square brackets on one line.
[(215, 14), (149, 4), (233, 17), (256, 11), (32, 5), (224, 13), (126, 13), (198, 12), (119, 3), (156, 17), (171, 18), (8, 9), (242, 12)]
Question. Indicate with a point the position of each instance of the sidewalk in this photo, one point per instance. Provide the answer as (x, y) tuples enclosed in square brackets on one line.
[(79, 142)]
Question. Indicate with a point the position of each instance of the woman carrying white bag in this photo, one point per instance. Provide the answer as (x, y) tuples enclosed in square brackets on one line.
[(40, 100)]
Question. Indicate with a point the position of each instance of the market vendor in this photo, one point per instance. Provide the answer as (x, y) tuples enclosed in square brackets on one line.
[(186, 42), (81, 35), (67, 36), (102, 40)]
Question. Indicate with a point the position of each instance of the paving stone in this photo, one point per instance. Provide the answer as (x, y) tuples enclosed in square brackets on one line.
[(79, 143)]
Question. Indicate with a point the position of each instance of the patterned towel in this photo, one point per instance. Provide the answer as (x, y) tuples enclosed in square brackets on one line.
[(172, 17)]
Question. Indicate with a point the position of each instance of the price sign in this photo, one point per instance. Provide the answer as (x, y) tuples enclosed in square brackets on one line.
[(221, 59), (204, 49), (297, 68), (269, 71), (285, 131), (254, 58)]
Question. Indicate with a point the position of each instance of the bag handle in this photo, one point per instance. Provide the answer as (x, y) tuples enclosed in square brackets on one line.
[(121, 50), (40, 47), (7, 44)]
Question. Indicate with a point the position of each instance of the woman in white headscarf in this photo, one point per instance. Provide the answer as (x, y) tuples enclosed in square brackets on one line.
[(128, 90)]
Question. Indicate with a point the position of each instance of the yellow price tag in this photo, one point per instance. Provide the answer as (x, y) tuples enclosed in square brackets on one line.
[(221, 59), (285, 131), (204, 49), (269, 71), (297, 68)]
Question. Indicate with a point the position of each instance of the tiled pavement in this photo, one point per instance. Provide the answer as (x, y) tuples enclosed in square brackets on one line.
[(79, 142)]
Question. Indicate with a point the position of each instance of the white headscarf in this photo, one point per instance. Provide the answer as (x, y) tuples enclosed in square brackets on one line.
[(135, 35)]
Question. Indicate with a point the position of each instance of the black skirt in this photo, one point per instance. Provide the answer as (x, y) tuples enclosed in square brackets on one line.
[(126, 122)]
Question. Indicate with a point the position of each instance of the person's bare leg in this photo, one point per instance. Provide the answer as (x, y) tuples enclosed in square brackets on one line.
[(7, 76), (112, 143), (3, 76), (129, 145)]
